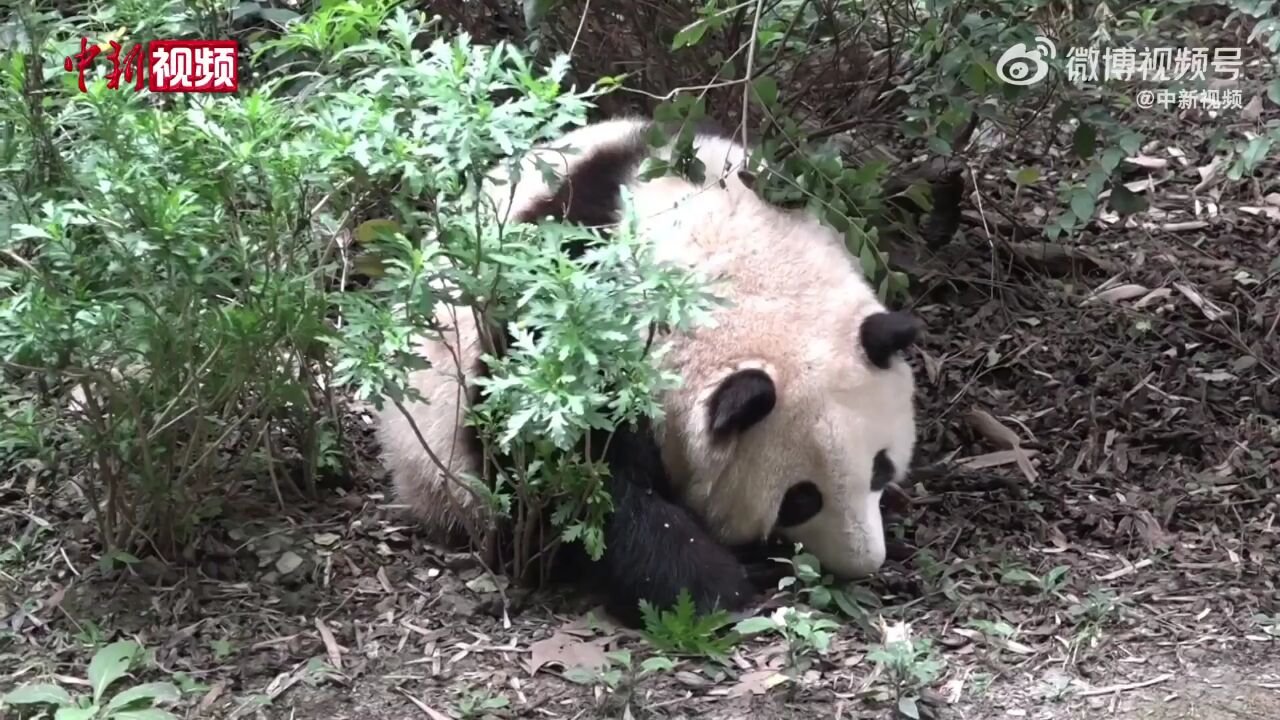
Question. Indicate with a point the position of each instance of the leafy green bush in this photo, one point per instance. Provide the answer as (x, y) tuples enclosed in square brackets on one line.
[(177, 282)]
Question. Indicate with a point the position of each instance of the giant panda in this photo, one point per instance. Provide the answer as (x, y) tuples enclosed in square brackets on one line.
[(796, 408)]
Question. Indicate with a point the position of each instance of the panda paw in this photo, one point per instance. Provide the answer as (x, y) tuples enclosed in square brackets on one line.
[(709, 572)]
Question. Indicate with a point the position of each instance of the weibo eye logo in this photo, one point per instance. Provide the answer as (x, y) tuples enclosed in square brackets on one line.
[(1020, 65)]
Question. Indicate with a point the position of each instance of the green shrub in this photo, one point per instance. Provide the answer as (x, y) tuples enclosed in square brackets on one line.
[(173, 296)]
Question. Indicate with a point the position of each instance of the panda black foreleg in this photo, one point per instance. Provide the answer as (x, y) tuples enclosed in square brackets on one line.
[(765, 562), (654, 548)]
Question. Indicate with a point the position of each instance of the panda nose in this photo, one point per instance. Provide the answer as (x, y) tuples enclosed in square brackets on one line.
[(858, 566)]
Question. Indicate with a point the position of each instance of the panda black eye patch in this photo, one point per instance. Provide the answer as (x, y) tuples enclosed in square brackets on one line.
[(802, 501)]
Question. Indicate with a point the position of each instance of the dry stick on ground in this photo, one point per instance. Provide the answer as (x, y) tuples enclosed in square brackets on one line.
[(1125, 687)]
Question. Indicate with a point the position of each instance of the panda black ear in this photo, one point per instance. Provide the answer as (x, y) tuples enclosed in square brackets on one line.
[(742, 400), (886, 333)]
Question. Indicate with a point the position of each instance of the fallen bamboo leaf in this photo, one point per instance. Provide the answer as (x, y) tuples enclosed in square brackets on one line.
[(1120, 293), (1157, 294), (992, 429), (330, 644), (757, 682), (1125, 686), (1268, 211), (994, 459), (1211, 311), (1208, 174), (1148, 162)]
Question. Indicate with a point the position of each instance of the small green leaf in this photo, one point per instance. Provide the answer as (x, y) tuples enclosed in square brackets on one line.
[(76, 713), (23, 231), (847, 605), (110, 664), (976, 78), (766, 89), (1018, 576), (1083, 204), (657, 664), (581, 676), (1026, 176), (279, 16), (1131, 143), (157, 692), (1126, 202), (41, 694), (1273, 90), (754, 625), (370, 230), (870, 267), (907, 706), (1255, 152), (1111, 158), (1084, 141), (144, 714), (246, 9), (622, 657), (690, 34)]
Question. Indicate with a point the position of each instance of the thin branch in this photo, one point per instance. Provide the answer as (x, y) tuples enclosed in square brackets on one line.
[(751, 60)]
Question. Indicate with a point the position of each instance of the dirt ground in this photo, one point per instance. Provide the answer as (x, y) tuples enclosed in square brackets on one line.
[(1092, 528)]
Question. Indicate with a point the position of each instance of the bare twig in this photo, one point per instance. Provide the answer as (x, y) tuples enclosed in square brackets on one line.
[(1125, 687), (751, 59)]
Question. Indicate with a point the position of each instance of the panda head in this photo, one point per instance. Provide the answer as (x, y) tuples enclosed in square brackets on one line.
[(796, 408), (809, 457)]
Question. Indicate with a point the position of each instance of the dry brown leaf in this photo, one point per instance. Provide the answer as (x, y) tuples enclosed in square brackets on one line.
[(567, 652), (1183, 226), (1150, 531), (1208, 174), (1148, 162), (330, 644), (1157, 294), (1211, 311), (211, 697), (597, 621), (994, 459), (992, 429), (1143, 185), (384, 581), (425, 708), (932, 367), (1017, 647), (1120, 293), (1024, 464), (756, 683), (1272, 199), (684, 677), (1058, 258), (1270, 212)]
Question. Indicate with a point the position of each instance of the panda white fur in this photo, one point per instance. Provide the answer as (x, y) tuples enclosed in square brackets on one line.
[(796, 407)]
